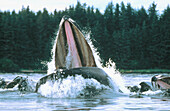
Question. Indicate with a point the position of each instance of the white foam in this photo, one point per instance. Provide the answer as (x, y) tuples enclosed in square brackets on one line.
[(110, 68), (68, 59), (116, 77), (149, 93), (71, 87)]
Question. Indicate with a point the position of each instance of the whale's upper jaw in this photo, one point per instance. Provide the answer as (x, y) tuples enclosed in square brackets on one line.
[(66, 17), (72, 44)]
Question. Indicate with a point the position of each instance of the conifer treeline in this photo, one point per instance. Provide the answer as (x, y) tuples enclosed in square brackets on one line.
[(133, 39)]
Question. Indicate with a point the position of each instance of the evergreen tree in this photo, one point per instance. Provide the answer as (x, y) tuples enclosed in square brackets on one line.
[(133, 39), (164, 48), (153, 37), (117, 18), (1, 34), (109, 19), (80, 14), (142, 16), (46, 34), (124, 23)]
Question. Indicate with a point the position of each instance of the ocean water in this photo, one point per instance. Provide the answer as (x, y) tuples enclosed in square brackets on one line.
[(73, 95)]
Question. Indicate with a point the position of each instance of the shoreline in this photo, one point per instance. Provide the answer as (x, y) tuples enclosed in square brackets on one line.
[(122, 71), (32, 71), (144, 71)]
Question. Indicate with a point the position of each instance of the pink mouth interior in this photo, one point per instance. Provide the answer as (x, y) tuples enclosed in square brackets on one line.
[(76, 62), (163, 84)]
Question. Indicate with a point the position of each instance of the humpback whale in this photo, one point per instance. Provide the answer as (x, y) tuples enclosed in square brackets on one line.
[(73, 56), (161, 82)]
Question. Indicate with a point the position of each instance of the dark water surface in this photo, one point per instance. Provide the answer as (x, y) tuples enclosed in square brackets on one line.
[(13, 100)]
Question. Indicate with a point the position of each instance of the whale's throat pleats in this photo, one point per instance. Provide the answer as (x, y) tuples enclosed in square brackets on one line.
[(71, 42)]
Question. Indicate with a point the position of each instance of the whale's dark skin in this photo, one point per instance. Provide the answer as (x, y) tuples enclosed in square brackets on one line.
[(22, 83), (71, 40), (86, 72)]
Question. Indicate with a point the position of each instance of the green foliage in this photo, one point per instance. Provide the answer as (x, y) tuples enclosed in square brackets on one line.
[(133, 39), (7, 65)]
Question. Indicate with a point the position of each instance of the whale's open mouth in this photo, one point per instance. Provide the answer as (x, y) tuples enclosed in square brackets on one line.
[(71, 42), (73, 56), (160, 82)]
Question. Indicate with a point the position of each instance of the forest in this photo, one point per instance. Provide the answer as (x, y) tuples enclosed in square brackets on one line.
[(132, 38)]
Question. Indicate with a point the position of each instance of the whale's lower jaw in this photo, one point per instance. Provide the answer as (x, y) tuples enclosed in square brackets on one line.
[(86, 72)]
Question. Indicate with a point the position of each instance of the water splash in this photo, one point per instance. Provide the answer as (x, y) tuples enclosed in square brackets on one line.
[(151, 93), (110, 68), (68, 59), (75, 87), (51, 64), (116, 77), (72, 87)]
